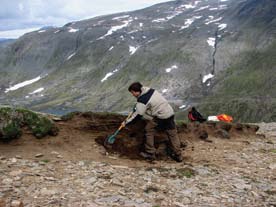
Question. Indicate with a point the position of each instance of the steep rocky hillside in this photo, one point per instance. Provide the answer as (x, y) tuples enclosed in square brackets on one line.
[(5, 42), (195, 52)]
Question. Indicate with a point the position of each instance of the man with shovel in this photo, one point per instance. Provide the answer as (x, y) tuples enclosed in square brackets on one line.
[(158, 113)]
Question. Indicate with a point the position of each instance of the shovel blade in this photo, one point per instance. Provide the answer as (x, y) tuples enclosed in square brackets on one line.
[(109, 140)]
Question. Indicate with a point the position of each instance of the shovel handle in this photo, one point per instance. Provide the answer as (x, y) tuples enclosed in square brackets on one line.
[(122, 126)]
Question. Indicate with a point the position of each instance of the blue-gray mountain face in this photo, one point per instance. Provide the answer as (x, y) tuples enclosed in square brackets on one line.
[(217, 54)]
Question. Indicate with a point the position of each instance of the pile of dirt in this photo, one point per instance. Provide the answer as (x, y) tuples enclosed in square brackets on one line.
[(82, 135), (129, 142)]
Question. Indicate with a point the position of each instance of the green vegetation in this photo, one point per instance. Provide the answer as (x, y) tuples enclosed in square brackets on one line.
[(180, 122), (12, 120), (273, 150), (253, 75), (246, 90), (39, 125), (11, 131), (69, 116), (185, 172), (45, 161)]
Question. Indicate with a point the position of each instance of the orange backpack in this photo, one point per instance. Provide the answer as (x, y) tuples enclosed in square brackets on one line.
[(225, 117)]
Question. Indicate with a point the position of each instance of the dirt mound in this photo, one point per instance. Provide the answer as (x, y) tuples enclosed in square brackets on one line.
[(129, 141), (81, 136)]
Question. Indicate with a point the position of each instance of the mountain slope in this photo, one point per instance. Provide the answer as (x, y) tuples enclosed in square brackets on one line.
[(188, 50)]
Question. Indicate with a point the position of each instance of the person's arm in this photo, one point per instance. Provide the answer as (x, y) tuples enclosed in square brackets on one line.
[(137, 114)]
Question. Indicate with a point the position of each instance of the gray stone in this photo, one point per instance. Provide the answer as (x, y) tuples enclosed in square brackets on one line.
[(13, 160), (272, 166), (18, 157), (15, 173), (47, 192), (39, 155), (3, 158), (16, 203), (91, 180), (110, 199), (222, 134)]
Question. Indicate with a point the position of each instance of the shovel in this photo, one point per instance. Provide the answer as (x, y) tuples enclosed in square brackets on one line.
[(111, 139)]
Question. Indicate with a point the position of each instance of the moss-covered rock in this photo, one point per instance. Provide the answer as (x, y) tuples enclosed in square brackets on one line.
[(12, 120), (11, 131)]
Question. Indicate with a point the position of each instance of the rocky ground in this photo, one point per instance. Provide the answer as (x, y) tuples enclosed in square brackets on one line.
[(73, 169)]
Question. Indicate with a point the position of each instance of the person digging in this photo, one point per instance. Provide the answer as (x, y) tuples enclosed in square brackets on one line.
[(157, 112)]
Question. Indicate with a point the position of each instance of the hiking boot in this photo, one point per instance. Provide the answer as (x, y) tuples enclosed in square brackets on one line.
[(177, 158), (148, 156)]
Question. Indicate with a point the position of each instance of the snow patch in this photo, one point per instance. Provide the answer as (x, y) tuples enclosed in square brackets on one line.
[(207, 77), (132, 49), (202, 8), (197, 2), (174, 15), (109, 74), (41, 31), (159, 20), (37, 91), (177, 11), (168, 70), (133, 31), (188, 6), (152, 40), (57, 31), (120, 17), (23, 84), (221, 7), (188, 22), (222, 26), (211, 21), (141, 24), (182, 106), (72, 30), (115, 28), (211, 41), (110, 48), (164, 90), (70, 56)]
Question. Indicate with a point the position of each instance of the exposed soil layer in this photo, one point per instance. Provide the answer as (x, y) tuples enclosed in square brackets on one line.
[(82, 135)]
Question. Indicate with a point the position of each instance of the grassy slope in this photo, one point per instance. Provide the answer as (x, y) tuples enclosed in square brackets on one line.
[(248, 89)]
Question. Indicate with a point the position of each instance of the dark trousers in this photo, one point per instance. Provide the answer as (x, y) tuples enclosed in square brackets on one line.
[(167, 125)]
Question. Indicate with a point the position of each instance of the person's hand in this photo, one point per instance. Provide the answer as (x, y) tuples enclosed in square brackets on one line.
[(123, 124)]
